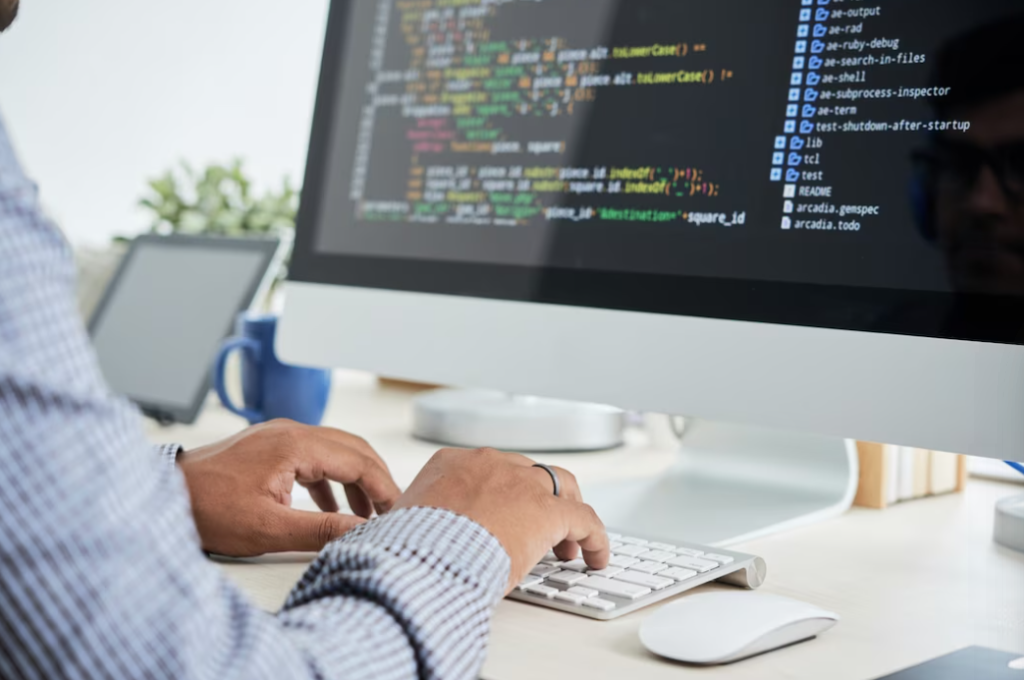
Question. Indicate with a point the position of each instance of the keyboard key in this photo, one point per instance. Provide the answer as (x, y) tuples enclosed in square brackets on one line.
[(529, 581), (617, 588), (568, 578), (657, 556), (607, 572), (571, 598), (615, 544), (645, 580), (544, 570), (543, 591), (633, 541), (661, 546), (677, 574), (598, 603), (692, 552), (721, 559), (649, 567), (550, 558), (622, 561), (585, 592), (613, 536), (630, 550), (575, 565), (695, 563)]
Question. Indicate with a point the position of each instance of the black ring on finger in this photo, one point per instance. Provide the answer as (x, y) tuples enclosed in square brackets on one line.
[(554, 477)]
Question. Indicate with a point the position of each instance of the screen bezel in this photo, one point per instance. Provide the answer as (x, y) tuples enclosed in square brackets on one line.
[(268, 248), (979, 318)]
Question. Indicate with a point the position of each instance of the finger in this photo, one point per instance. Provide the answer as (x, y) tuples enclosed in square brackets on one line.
[(348, 466), (355, 442), (567, 550), (585, 528), (323, 495), (301, 531), (358, 501)]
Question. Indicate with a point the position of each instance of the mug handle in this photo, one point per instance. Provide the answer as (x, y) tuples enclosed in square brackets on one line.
[(233, 344)]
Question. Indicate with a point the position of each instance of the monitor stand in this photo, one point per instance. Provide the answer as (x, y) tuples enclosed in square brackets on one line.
[(732, 483)]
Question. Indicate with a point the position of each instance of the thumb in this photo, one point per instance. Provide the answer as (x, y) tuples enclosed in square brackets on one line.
[(302, 531)]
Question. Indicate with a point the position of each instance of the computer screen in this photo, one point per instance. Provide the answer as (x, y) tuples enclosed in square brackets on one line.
[(166, 313), (850, 164)]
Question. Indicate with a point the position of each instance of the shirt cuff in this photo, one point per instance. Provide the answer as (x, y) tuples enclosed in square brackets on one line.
[(437, 573), (168, 454)]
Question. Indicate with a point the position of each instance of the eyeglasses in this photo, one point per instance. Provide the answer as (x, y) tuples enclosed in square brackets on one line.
[(959, 164)]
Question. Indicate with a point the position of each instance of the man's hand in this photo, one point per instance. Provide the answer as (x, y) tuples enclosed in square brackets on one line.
[(241, 488), (515, 501)]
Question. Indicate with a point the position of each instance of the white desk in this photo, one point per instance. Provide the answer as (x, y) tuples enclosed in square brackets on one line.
[(911, 583)]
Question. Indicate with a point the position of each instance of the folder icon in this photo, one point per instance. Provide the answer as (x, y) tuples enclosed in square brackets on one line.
[(795, 159), (796, 143), (808, 111), (810, 95), (821, 15), (817, 47), (806, 127), (820, 30), (815, 63), (813, 79), (792, 175)]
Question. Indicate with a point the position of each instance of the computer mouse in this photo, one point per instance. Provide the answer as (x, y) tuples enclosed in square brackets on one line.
[(722, 627)]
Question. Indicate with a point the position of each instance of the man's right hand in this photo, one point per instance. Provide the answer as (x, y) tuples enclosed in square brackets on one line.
[(513, 500)]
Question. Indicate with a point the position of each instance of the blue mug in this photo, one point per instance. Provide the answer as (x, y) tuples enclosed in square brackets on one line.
[(270, 388)]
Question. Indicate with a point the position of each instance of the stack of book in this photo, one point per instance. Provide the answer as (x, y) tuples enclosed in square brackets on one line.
[(892, 474)]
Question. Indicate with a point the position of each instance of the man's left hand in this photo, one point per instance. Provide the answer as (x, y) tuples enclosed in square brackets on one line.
[(241, 488)]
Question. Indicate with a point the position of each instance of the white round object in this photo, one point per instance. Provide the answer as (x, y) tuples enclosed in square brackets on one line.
[(1009, 524), (475, 419), (722, 627)]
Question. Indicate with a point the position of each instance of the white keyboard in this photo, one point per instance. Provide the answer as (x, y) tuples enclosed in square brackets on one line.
[(641, 572)]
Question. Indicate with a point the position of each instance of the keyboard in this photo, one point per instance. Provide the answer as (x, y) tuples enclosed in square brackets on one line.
[(641, 571)]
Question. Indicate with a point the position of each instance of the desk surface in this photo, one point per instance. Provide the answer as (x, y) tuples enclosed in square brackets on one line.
[(911, 583)]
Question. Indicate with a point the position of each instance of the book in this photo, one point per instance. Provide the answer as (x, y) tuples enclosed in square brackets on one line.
[(944, 473)]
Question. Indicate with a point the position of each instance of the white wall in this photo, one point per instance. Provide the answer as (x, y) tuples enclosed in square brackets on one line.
[(99, 95)]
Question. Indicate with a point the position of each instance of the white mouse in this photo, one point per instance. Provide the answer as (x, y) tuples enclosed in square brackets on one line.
[(722, 627)]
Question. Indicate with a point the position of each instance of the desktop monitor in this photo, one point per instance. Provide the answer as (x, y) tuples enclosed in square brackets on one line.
[(800, 215)]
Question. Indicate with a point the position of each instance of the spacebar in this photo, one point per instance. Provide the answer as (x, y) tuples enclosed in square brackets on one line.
[(617, 588)]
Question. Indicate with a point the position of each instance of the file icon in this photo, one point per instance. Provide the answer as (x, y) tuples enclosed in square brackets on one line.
[(780, 142), (820, 31), (795, 159), (808, 111), (776, 174), (817, 47), (797, 143), (790, 127), (815, 63), (792, 175), (813, 78), (810, 95), (806, 127), (789, 191), (821, 14), (787, 223), (788, 207)]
